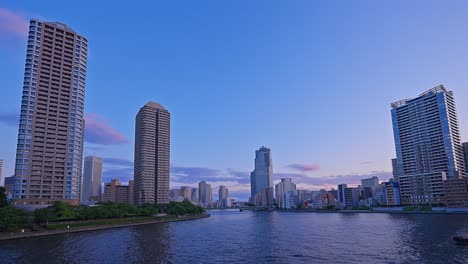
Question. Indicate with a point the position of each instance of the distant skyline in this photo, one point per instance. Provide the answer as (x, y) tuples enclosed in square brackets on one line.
[(312, 81)]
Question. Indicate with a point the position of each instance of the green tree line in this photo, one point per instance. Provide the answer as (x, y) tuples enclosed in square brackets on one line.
[(12, 218)]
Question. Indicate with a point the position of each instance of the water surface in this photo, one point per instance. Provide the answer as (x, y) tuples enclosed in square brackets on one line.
[(231, 236)]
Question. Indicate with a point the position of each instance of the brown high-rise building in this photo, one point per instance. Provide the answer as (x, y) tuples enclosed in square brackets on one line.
[(152, 154), (50, 136), (115, 192)]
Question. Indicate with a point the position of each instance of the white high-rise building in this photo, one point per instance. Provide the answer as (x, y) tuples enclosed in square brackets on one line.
[(370, 182), (428, 146), (51, 129), (281, 191), (92, 180), (152, 154)]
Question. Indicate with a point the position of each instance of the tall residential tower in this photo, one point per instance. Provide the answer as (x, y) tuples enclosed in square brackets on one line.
[(50, 136), (205, 194), (261, 179), (465, 150), (152, 154), (92, 180), (428, 147), (1, 173)]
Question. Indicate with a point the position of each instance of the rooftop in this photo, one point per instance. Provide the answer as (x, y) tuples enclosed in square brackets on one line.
[(155, 105), (439, 88)]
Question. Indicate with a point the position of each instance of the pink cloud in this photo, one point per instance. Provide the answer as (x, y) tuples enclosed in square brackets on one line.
[(304, 167), (99, 131), (13, 23)]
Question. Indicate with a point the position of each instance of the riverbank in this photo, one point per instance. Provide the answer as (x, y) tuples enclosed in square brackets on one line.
[(374, 211), (84, 226)]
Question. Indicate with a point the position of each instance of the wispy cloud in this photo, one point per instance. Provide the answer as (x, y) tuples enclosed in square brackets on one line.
[(13, 23), (99, 131), (10, 119), (304, 167)]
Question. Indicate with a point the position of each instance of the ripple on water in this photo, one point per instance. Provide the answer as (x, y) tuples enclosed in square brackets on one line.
[(257, 237)]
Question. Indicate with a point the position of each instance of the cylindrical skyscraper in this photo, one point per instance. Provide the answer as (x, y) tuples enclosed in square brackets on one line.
[(152, 154)]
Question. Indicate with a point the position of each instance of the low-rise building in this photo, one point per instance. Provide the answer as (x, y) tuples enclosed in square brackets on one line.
[(352, 196), (392, 193), (456, 192), (421, 189), (8, 185), (115, 192)]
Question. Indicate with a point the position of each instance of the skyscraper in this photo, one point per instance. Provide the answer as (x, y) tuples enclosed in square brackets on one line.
[(50, 136), (428, 147), (465, 151), (282, 189), (342, 194), (152, 154), (222, 196), (262, 177), (186, 192), (394, 169), (1, 172), (92, 180), (195, 199), (205, 194)]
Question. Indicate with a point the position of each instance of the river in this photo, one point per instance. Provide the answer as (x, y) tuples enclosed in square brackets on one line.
[(230, 236)]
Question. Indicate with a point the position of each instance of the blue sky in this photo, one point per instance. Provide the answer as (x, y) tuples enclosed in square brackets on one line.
[(312, 80)]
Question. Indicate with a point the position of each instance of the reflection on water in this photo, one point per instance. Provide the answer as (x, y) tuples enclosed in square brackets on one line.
[(257, 237)]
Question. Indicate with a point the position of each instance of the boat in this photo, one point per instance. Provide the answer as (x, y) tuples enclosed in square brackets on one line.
[(461, 239), (242, 210)]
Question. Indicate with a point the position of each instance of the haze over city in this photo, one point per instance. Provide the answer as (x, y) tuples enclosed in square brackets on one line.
[(311, 81)]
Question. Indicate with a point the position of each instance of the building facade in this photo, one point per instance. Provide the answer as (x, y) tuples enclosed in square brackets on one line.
[(8, 184), (194, 195), (370, 182), (456, 192), (281, 190), (205, 194), (465, 151), (427, 143), (352, 197), (50, 136), (223, 196), (152, 154), (1, 172), (115, 192), (392, 193), (186, 193), (262, 176), (422, 189), (341, 197), (92, 180)]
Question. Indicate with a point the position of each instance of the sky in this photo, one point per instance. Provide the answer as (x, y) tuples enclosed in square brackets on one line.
[(312, 80)]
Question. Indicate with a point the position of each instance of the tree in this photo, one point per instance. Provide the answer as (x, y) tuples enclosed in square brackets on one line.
[(3, 197), (12, 218)]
